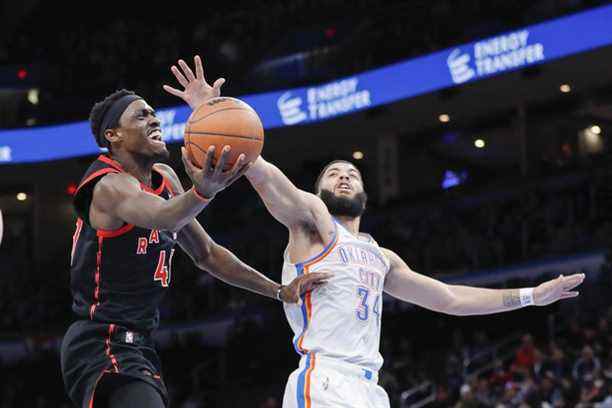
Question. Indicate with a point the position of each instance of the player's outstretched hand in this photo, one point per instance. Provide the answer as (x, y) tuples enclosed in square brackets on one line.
[(302, 284), (209, 179), (557, 289), (196, 90)]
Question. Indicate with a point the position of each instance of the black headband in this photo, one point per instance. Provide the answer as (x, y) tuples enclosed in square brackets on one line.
[(110, 119)]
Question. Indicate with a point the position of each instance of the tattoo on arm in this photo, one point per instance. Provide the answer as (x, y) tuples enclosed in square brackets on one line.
[(511, 298)]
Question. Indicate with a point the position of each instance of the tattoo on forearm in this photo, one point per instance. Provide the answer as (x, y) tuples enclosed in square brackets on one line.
[(512, 298)]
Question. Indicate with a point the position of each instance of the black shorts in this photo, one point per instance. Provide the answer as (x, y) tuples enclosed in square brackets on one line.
[(96, 353)]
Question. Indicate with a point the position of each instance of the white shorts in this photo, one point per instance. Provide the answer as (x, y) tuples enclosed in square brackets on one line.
[(326, 383)]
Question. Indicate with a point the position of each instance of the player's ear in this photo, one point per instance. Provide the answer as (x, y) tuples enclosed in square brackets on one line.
[(112, 135)]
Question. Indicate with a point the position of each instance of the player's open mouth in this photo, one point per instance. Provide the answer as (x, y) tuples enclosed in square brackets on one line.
[(344, 187), (156, 136)]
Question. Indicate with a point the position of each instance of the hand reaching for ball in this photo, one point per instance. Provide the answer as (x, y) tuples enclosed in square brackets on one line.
[(209, 179), (196, 89)]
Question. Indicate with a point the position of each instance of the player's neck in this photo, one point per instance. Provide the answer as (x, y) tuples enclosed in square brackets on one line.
[(141, 169), (350, 223)]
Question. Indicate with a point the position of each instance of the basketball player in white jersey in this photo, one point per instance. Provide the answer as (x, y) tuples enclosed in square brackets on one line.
[(337, 326)]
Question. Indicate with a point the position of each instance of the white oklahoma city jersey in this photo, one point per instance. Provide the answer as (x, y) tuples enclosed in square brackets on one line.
[(341, 320)]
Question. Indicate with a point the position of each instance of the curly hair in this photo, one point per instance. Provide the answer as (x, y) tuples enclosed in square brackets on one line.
[(99, 110)]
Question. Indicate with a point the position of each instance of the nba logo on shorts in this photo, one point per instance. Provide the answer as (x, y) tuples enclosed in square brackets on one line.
[(459, 66), (129, 337)]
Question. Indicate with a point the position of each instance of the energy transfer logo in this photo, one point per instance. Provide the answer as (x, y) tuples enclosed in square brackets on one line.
[(6, 154), (324, 101), (495, 55), (290, 109), (459, 66)]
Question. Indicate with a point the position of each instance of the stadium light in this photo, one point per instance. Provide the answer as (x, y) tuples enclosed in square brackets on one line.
[(444, 118), (33, 96), (565, 88), (357, 155), (71, 189), (22, 73), (22, 196), (595, 129), (479, 143)]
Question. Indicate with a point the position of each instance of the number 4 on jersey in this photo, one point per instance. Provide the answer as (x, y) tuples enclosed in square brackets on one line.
[(163, 271)]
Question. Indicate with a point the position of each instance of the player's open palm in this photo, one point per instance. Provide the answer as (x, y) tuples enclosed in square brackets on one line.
[(210, 179), (556, 289), (196, 90), (302, 284)]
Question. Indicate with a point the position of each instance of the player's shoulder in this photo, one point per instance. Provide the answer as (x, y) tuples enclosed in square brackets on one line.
[(170, 175), (388, 253), (112, 184)]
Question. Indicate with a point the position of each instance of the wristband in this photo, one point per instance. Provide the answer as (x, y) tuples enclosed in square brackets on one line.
[(526, 296), (200, 196), (278, 292)]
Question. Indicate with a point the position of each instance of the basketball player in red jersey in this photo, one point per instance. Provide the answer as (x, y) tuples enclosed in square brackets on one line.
[(132, 211)]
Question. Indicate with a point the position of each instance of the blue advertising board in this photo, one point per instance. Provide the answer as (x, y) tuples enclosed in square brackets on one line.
[(535, 44)]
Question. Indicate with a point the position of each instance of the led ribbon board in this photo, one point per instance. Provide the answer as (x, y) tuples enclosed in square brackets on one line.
[(536, 44)]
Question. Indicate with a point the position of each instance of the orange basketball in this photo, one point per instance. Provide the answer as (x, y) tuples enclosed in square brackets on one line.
[(224, 121)]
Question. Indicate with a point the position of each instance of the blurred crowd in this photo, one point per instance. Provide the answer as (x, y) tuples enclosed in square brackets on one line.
[(569, 365), (558, 356), (500, 226)]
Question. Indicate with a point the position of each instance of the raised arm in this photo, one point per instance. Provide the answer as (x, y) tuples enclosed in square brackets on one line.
[(407, 285), (288, 204), (118, 198), (224, 265)]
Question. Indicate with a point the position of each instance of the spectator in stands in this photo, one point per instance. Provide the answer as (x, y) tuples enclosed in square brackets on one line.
[(483, 392), (526, 354), (587, 367), (549, 392), (556, 365), (592, 390), (467, 398)]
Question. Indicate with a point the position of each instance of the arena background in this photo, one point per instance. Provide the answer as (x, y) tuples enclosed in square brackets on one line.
[(481, 127)]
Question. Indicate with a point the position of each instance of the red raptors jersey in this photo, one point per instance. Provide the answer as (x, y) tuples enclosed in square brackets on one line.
[(119, 276)]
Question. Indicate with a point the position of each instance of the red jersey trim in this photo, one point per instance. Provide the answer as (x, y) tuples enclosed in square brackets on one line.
[(109, 353), (116, 232), (110, 162), (93, 176), (97, 278), (159, 189)]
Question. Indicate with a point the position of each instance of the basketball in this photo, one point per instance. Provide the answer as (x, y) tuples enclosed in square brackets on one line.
[(224, 121)]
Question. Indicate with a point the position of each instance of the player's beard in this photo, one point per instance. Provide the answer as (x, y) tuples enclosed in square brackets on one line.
[(344, 206)]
